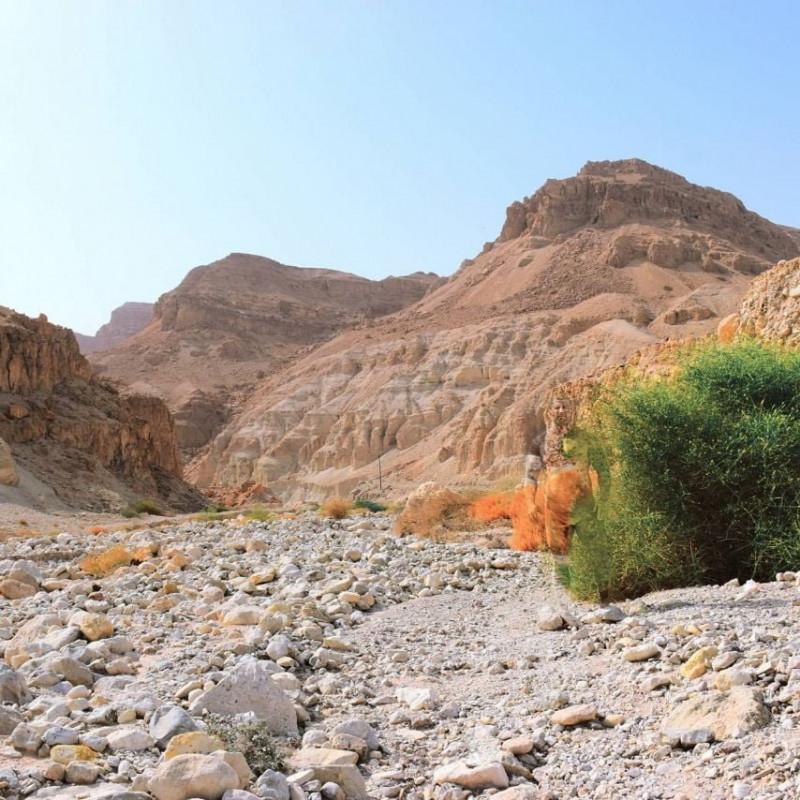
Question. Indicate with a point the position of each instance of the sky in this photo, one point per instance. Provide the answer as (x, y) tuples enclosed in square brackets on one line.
[(141, 138)]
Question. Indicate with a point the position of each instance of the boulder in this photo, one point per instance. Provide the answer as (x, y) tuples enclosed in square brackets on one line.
[(727, 714), (193, 776), (249, 688), (485, 776), (13, 687), (169, 721)]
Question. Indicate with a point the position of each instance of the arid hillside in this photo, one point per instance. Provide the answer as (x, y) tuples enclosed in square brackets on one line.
[(584, 272), (126, 321), (69, 440), (231, 323)]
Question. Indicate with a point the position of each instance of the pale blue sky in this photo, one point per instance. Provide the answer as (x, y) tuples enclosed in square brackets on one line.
[(140, 138)]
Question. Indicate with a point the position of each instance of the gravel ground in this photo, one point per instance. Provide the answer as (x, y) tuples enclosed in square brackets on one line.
[(472, 667)]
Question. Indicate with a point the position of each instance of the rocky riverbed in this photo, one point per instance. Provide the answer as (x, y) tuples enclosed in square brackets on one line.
[(383, 667)]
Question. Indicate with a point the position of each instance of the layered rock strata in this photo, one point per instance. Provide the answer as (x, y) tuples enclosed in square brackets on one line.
[(584, 273), (66, 430)]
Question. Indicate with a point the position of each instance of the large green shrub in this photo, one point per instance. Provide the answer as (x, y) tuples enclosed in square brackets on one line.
[(699, 474)]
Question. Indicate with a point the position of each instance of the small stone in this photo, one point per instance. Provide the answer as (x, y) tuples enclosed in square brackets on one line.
[(192, 742), (81, 773), (642, 652), (92, 626), (549, 619), (574, 715), (519, 745)]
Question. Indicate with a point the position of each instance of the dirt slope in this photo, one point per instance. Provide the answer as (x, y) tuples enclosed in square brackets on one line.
[(230, 323), (585, 272)]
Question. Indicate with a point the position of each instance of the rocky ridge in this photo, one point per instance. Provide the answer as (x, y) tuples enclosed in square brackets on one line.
[(584, 273), (230, 323), (126, 321), (394, 668), (70, 440)]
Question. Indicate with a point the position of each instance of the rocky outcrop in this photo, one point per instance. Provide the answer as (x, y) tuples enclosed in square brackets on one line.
[(771, 309), (96, 447), (230, 323), (611, 194), (453, 389), (126, 321)]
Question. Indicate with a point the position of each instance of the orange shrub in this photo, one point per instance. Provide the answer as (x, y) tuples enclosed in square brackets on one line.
[(107, 561), (335, 508), (492, 507), (97, 529), (541, 514)]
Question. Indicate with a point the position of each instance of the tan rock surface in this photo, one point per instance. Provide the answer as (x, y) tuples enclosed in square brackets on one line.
[(237, 320), (126, 321), (727, 714), (75, 440), (585, 272)]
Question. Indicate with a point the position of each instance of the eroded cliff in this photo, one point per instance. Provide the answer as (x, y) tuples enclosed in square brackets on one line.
[(73, 438), (584, 273)]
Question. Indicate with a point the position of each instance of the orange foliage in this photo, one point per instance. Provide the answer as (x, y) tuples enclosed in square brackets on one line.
[(541, 514), (335, 508), (97, 529), (492, 507), (107, 561)]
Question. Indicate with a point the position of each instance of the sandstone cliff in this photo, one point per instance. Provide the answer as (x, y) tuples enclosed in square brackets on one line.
[(126, 321), (585, 272), (230, 323), (72, 440)]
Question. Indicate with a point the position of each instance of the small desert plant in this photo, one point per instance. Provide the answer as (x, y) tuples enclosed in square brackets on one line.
[(107, 561), (335, 508), (492, 507), (252, 739), (142, 507), (260, 514), (365, 504)]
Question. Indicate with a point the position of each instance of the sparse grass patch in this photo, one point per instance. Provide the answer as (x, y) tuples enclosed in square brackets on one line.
[(142, 507), (374, 506), (260, 514)]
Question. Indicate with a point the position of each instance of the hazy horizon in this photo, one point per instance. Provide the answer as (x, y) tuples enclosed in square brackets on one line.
[(141, 139)]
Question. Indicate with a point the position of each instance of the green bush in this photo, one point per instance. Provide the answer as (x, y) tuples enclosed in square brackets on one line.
[(699, 475), (142, 507), (369, 505), (252, 739)]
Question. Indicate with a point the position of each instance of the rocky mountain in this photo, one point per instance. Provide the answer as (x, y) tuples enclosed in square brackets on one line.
[(231, 323), (70, 440), (584, 272), (126, 321)]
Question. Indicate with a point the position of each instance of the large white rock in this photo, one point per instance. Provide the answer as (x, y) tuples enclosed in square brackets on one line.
[(249, 688), (195, 776)]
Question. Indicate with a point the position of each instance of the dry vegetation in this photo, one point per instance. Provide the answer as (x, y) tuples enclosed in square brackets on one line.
[(335, 508), (107, 561)]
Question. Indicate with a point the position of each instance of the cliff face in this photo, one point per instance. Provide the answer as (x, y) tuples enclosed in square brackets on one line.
[(93, 446), (35, 356), (230, 323), (453, 388), (126, 321)]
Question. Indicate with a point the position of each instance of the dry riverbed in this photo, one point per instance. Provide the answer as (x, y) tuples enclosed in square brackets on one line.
[(387, 668)]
